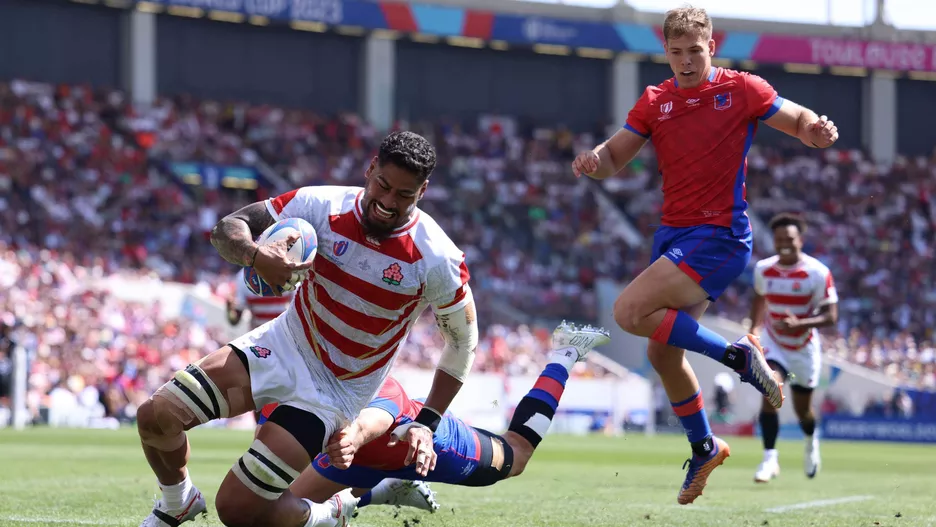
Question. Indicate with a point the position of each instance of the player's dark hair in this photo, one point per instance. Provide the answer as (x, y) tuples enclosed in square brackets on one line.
[(409, 151), (685, 19), (785, 219)]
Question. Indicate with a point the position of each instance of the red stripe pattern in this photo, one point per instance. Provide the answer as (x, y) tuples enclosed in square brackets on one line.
[(550, 386), (690, 407), (364, 292), (478, 24), (663, 331), (399, 16), (799, 290)]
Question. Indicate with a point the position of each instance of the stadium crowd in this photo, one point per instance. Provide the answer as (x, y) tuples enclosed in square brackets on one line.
[(85, 192)]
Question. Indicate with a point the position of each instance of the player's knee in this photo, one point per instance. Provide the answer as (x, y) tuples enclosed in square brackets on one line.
[(627, 314), (234, 512), (156, 421), (522, 453)]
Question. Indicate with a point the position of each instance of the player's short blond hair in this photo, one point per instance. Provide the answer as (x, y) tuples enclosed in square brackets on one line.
[(687, 19)]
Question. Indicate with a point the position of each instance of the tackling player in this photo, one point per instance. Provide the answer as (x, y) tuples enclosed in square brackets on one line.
[(701, 123), (794, 295), (365, 454), (381, 262)]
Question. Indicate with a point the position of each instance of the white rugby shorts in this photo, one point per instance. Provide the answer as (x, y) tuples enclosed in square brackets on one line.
[(804, 364), (279, 374)]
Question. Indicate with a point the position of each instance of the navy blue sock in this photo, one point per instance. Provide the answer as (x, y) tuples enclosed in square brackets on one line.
[(691, 413), (365, 499), (682, 331)]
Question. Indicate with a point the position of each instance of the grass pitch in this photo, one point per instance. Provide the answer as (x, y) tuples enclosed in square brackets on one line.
[(93, 477)]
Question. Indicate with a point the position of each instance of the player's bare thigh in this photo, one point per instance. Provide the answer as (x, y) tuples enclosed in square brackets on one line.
[(660, 286), (167, 414)]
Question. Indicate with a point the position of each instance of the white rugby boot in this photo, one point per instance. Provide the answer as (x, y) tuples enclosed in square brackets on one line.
[(403, 493), (758, 373), (768, 469), (582, 338), (163, 517), (811, 460)]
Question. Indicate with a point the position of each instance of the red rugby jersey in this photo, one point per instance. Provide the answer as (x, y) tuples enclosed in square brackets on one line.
[(702, 136)]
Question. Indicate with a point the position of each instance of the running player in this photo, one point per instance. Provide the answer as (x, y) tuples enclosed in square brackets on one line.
[(797, 294), (701, 122), (381, 262), (361, 458), (262, 309)]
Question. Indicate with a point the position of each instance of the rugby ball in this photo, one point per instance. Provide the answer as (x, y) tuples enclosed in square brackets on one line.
[(303, 250)]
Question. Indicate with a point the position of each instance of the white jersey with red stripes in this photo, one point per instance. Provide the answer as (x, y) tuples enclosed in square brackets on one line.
[(801, 289), (262, 308), (363, 295)]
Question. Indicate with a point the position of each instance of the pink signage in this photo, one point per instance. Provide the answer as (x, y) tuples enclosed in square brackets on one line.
[(837, 52)]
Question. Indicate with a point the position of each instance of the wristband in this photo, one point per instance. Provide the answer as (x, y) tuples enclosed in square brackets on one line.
[(429, 418)]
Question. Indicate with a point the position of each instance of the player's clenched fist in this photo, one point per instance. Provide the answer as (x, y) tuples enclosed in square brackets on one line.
[(342, 446), (585, 163), (823, 133), (276, 268)]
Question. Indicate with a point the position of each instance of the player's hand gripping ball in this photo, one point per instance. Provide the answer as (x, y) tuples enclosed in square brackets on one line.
[(286, 253)]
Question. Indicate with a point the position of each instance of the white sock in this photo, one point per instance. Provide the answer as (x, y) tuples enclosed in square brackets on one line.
[(382, 493), (565, 357), (175, 497), (320, 514), (771, 455)]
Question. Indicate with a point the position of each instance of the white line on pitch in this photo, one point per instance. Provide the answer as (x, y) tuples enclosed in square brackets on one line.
[(819, 503), (21, 519)]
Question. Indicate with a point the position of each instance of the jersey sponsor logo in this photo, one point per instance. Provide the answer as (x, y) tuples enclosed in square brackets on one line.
[(677, 253), (393, 275), (340, 247), (692, 101), (260, 352), (723, 101)]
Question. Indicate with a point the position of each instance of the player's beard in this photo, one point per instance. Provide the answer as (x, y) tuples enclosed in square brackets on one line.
[(377, 228)]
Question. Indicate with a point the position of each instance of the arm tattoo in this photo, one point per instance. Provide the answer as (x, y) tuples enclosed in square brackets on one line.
[(233, 236)]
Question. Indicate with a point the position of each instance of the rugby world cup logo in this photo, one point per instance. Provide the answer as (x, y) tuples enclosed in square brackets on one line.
[(340, 247)]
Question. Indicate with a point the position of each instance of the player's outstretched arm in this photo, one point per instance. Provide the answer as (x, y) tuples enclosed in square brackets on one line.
[(234, 235), (802, 123), (608, 158)]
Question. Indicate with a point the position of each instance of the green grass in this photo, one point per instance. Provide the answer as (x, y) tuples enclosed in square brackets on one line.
[(82, 477)]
